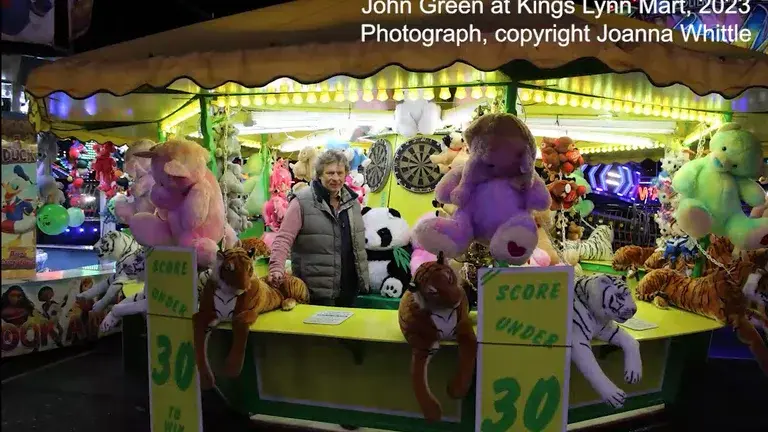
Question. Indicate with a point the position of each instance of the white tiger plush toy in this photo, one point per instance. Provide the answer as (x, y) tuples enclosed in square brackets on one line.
[(137, 304), (600, 302), (598, 247), (129, 265)]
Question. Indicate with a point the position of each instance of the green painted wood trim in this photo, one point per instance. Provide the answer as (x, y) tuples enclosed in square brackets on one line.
[(207, 132), (161, 137), (510, 99)]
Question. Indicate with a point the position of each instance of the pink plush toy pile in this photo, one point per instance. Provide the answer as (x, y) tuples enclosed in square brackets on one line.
[(420, 255), (138, 168), (495, 192), (359, 190), (279, 185), (190, 208)]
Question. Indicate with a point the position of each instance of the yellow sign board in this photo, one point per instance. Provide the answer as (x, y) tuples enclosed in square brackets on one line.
[(524, 362), (174, 385)]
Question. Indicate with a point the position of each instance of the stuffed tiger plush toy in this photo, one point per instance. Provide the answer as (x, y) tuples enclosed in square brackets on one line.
[(631, 258), (434, 309), (129, 265), (600, 302), (598, 247), (721, 295), (234, 294)]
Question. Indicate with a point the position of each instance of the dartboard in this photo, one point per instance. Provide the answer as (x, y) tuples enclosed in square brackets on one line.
[(413, 169), (377, 172)]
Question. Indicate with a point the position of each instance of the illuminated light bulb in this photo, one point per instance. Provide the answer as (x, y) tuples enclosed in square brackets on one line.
[(368, 95), (245, 101), (635, 147), (476, 93), (525, 95), (562, 100), (538, 96), (400, 95), (490, 92), (585, 102), (596, 104), (258, 100), (445, 93), (429, 94), (685, 115), (271, 99), (550, 98), (381, 95), (656, 111), (284, 99), (702, 116), (675, 113), (665, 112), (627, 107), (312, 98), (221, 103), (461, 93), (637, 109), (338, 96), (232, 102), (325, 97), (297, 99), (413, 94), (574, 101), (616, 106), (647, 110), (353, 96)]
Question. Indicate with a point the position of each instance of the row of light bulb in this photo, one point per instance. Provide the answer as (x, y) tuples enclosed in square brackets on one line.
[(619, 148), (353, 96), (637, 108)]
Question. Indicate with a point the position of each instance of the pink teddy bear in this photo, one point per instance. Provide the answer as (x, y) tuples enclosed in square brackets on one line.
[(138, 168), (495, 192), (190, 208)]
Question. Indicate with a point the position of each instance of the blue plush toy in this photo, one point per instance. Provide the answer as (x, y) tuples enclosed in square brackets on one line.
[(359, 159), (674, 248)]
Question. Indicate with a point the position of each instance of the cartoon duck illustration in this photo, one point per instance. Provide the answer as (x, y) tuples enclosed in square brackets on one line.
[(18, 214)]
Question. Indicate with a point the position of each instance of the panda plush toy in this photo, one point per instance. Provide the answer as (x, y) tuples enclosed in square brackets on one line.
[(388, 247)]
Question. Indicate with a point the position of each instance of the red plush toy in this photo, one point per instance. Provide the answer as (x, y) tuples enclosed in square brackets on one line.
[(105, 168), (565, 194), (573, 160)]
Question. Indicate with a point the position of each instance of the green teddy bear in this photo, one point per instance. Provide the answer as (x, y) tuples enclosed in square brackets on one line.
[(712, 188)]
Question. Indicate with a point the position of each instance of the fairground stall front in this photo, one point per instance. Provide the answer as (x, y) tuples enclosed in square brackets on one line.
[(255, 94)]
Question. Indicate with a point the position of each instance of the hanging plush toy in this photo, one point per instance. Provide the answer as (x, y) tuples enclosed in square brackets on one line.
[(137, 199), (105, 168), (302, 169), (77, 172), (713, 187), (277, 205), (560, 156), (435, 308), (565, 194), (453, 143), (358, 187), (413, 117), (495, 192), (190, 208)]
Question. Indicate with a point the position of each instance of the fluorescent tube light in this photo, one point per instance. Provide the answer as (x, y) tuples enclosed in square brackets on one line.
[(595, 137), (604, 126)]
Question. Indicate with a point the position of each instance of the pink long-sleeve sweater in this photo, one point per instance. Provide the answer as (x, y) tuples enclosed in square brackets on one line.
[(281, 247)]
